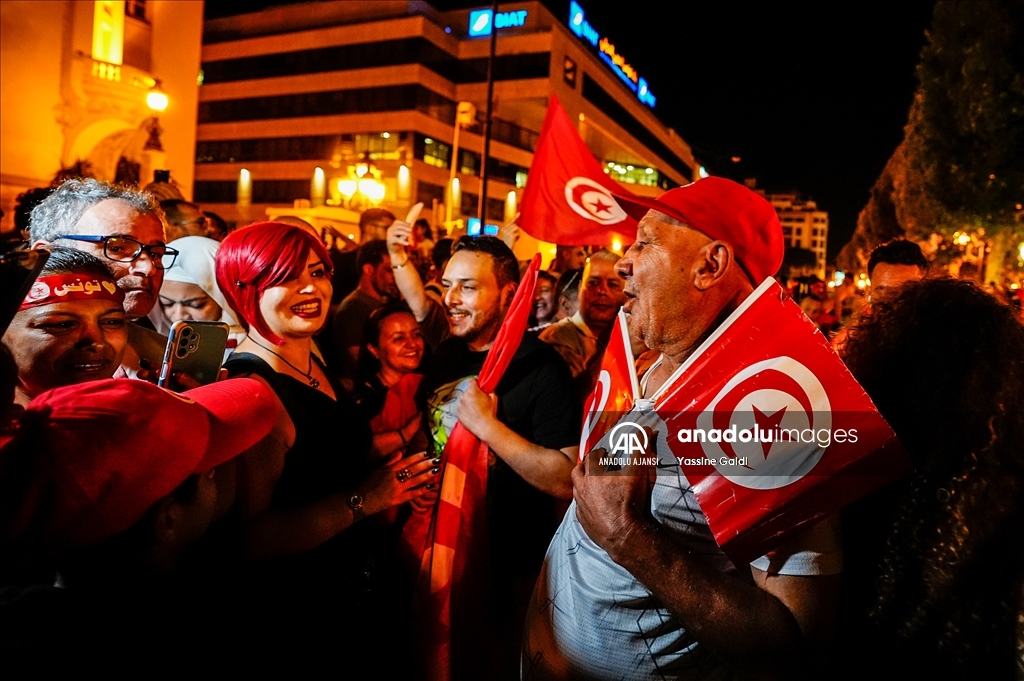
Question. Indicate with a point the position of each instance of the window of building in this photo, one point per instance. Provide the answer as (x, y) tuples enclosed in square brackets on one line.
[(373, 145), (135, 9), (417, 50), (379, 146), (495, 207), (432, 152), (263, 191), (597, 96), (630, 174), (362, 100), (427, 193)]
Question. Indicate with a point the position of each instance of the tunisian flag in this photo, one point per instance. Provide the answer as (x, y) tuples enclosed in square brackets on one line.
[(453, 559), (568, 198), (797, 437), (616, 390)]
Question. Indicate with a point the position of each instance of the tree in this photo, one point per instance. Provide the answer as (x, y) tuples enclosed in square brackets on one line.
[(960, 169), (965, 134)]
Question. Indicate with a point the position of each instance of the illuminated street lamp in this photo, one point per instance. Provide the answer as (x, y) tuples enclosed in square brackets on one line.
[(157, 101), (361, 189)]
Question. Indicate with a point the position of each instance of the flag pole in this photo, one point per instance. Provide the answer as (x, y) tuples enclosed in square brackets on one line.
[(482, 208)]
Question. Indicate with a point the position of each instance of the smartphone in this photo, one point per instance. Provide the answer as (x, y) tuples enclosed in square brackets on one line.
[(195, 348), (18, 271)]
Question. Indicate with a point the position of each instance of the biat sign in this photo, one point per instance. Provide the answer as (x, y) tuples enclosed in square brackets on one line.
[(483, 21), (606, 50)]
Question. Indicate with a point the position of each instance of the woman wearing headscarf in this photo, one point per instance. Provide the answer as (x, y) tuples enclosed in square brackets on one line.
[(190, 290)]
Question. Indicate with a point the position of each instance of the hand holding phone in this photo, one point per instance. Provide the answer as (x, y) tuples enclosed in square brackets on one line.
[(195, 349)]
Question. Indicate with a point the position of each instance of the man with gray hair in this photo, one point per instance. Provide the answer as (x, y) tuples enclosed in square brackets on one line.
[(122, 226)]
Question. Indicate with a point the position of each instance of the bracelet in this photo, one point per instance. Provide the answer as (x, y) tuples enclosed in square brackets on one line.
[(402, 435), (398, 267)]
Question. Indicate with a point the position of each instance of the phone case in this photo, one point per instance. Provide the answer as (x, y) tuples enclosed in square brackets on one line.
[(195, 348)]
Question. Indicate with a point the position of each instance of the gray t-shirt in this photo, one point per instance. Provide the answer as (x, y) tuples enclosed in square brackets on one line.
[(590, 618)]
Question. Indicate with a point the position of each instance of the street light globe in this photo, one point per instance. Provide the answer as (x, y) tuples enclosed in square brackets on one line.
[(157, 100)]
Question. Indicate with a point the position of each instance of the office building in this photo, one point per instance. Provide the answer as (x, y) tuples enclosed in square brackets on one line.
[(803, 225), (348, 105)]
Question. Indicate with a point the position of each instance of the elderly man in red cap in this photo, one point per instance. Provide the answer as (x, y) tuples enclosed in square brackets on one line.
[(634, 585)]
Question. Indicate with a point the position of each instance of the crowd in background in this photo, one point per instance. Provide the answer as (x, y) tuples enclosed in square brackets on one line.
[(276, 517)]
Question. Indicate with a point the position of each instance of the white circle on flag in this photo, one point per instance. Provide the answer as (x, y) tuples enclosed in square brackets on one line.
[(770, 465), (592, 201)]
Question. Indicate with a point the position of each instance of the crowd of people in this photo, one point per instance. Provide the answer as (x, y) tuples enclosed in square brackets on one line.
[(279, 515)]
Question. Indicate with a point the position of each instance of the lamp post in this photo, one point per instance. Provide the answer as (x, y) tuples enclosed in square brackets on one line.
[(465, 114)]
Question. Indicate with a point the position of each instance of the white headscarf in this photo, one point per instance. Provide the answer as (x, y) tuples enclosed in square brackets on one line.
[(197, 264)]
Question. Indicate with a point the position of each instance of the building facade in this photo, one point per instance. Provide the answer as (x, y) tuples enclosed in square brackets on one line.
[(76, 80), (803, 226), (320, 101)]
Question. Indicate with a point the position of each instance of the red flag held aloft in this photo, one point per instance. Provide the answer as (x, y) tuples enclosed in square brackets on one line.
[(568, 197)]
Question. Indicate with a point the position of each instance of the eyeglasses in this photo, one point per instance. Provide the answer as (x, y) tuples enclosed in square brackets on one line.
[(126, 249)]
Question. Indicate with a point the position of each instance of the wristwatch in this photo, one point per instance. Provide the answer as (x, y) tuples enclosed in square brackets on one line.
[(355, 502)]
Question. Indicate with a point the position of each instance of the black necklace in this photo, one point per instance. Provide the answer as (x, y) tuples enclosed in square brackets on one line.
[(313, 382)]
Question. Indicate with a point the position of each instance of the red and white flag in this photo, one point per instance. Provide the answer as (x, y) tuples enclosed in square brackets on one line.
[(616, 390), (771, 429), (568, 197)]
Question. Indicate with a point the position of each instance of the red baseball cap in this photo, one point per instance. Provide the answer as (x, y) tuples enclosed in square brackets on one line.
[(106, 451), (725, 210)]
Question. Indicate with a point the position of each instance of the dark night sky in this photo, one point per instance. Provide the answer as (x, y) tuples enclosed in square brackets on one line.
[(811, 98)]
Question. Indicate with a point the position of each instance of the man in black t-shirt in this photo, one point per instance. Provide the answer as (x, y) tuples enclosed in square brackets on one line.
[(532, 430)]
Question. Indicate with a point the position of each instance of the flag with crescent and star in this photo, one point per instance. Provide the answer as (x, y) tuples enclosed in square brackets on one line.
[(568, 197), (615, 391), (771, 429)]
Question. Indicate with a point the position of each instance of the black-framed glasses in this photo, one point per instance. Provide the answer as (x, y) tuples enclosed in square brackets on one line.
[(127, 249)]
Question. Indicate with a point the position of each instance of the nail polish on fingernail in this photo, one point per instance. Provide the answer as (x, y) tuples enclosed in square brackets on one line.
[(435, 470), (436, 461), (431, 486), (427, 455)]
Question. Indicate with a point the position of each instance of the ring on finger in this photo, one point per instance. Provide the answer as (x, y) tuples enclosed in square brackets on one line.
[(402, 475)]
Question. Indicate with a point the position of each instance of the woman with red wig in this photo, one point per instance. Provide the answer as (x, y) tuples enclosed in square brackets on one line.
[(276, 277)]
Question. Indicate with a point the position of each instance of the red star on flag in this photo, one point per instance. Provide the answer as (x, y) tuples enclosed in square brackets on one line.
[(768, 423), (601, 207)]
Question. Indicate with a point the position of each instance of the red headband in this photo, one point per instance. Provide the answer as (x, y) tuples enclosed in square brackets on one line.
[(61, 287)]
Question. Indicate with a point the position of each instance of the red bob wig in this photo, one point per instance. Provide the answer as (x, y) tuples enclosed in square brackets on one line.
[(261, 255)]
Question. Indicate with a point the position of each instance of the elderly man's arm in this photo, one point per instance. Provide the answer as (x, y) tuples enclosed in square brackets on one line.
[(773, 629)]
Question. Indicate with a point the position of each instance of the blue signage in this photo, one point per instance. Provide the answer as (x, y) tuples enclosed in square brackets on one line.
[(606, 50), (578, 24), (473, 228), (483, 21)]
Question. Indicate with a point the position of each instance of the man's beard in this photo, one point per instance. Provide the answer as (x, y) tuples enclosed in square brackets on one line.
[(488, 326)]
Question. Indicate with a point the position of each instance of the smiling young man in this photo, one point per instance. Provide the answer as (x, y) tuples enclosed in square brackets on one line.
[(530, 424)]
